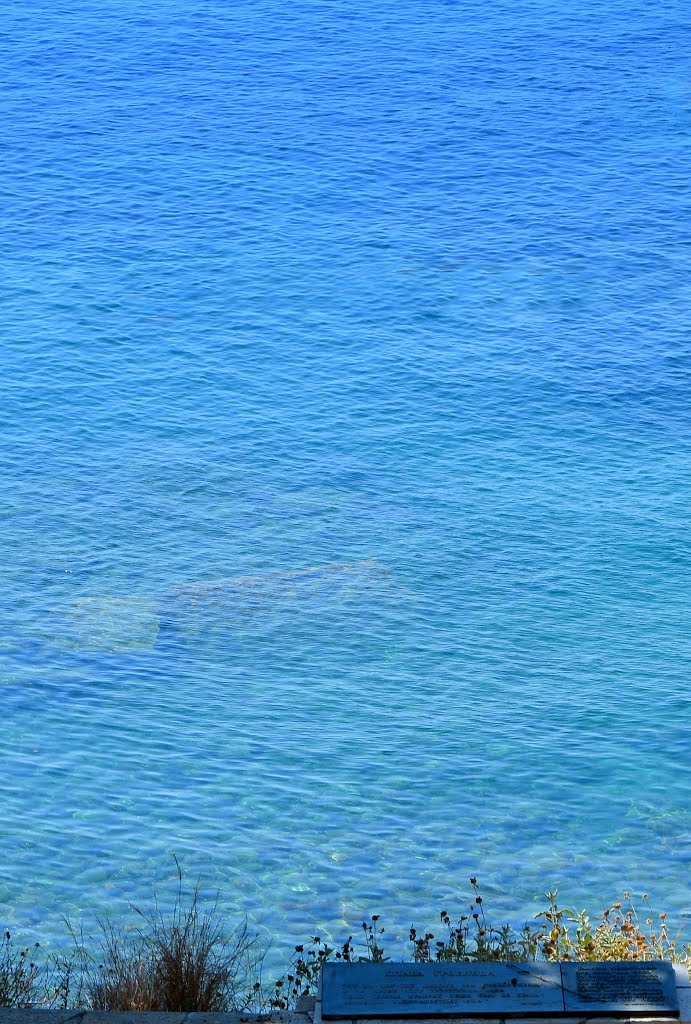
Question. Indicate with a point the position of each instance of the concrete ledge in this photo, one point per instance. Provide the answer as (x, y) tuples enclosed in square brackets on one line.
[(35, 1016)]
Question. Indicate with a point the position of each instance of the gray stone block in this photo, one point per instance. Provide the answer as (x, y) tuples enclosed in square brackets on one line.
[(394, 990)]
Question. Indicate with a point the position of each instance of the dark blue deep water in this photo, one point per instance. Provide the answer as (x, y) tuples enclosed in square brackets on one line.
[(345, 406)]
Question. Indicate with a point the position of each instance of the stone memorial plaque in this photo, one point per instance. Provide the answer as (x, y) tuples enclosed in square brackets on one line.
[(440, 990), (628, 988)]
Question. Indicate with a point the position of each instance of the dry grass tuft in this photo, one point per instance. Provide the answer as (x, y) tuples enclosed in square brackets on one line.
[(185, 961), (18, 974)]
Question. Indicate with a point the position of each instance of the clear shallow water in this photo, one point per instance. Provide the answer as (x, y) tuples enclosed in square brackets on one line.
[(403, 291)]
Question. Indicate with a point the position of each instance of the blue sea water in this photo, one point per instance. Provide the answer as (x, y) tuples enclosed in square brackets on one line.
[(398, 294)]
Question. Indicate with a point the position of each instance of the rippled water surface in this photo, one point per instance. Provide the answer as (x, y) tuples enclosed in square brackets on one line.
[(345, 450)]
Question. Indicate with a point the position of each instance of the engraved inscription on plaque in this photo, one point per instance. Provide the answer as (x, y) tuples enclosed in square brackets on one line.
[(441, 990), (624, 989), (629, 987)]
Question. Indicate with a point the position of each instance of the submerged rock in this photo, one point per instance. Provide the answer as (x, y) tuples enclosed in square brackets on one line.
[(114, 623), (134, 623)]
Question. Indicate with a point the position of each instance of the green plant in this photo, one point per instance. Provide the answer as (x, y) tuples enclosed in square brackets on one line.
[(373, 933), (561, 934), (618, 934), (473, 938), (302, 976), (19, 974), (554, 935)]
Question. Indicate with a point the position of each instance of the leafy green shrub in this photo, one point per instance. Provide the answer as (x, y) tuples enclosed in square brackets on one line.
[(618, 934)]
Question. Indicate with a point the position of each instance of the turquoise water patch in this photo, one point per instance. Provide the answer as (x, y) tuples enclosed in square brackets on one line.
[(345, 458)]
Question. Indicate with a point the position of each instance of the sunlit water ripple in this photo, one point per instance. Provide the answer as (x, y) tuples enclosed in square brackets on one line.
[(400, 295)]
